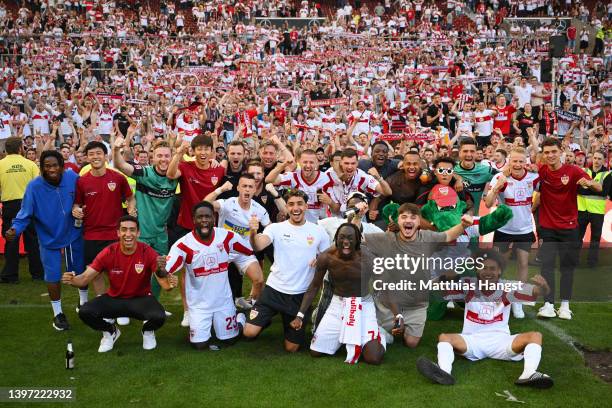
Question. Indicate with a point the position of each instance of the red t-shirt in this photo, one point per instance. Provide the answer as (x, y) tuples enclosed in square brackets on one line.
[(129, 276), (195, 185), (103, 198), (71, 166), (558, 199), (504, 118)]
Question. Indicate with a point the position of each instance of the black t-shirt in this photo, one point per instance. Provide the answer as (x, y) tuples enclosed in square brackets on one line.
[(232, 177), (525, 122), (387, 169), (433, 111), (122, 123)]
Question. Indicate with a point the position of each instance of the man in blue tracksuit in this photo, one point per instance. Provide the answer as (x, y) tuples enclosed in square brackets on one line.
[(48, 203)]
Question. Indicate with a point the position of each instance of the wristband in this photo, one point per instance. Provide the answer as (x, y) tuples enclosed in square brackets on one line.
[(399, 316), (300, 315)]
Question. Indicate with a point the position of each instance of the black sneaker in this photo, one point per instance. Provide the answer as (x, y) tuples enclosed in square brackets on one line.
[(536, 380), (433, 371), (60, 322)]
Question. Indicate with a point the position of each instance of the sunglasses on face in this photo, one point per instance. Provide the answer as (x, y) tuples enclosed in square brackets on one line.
[(444, 171)]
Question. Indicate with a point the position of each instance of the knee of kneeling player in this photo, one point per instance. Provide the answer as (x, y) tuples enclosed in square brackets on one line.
[(444, 338), (291, 347), (251, 331), (411, 341)]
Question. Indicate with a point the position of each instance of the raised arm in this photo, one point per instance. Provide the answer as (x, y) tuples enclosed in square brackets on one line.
[(118, 159), (258, 241)]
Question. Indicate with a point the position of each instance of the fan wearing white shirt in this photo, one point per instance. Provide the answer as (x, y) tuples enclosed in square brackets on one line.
[(297, 243)]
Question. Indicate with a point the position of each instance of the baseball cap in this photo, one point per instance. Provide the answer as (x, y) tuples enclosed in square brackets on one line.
[(444, 196)]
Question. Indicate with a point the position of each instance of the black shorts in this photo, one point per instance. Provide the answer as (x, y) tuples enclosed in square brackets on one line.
[(271, 302), (521, 241), (93, 247)]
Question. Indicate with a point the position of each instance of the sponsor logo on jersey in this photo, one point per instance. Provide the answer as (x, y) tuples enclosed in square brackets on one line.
[(443, 190), (565, 179), (112, 185), (139, 267)]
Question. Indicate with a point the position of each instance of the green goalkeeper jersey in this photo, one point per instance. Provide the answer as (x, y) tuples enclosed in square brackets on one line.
[(475, 180), (154, 199)]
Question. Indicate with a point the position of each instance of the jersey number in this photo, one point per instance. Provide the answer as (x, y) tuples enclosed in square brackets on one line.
[(232, 324)]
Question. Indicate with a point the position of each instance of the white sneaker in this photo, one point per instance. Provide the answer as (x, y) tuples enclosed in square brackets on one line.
[(148, 340), (517, 311), (168, 314), (565, 313), (241, 319), (532, 304), (548, 310), (108, 341), (450, 305), (109, 320), (185, 321), (123, 321)]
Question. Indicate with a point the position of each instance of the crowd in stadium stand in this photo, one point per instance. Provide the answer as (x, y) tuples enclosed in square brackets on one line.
[(350, 102)]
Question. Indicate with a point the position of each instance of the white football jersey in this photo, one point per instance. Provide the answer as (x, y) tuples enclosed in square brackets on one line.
[(323, 182), (488, 312), (206, 283), (518, 194), (233, 218)]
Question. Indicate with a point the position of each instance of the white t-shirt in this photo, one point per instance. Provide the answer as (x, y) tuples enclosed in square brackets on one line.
[(295, 247), (523, 94), (5, 127), (206, 284), (518, 194), (233, 218), (483, 122)]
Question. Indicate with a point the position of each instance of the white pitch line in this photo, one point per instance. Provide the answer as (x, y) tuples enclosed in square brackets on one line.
[(557, 332)]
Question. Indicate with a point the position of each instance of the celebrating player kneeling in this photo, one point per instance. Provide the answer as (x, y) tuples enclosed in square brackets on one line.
[(206, 253), (351, 317), (486, 333)]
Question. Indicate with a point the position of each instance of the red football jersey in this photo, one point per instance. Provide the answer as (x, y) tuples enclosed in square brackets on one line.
[(195, 185), (103, 198), (129, 276), (558, 200), (504, 118)]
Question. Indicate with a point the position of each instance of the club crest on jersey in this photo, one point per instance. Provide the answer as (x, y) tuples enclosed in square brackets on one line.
[(112, 185), (214, 180), (220, 247), (139, 267), (253, 314), (565, 179), (443, 190), (310, 239)]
